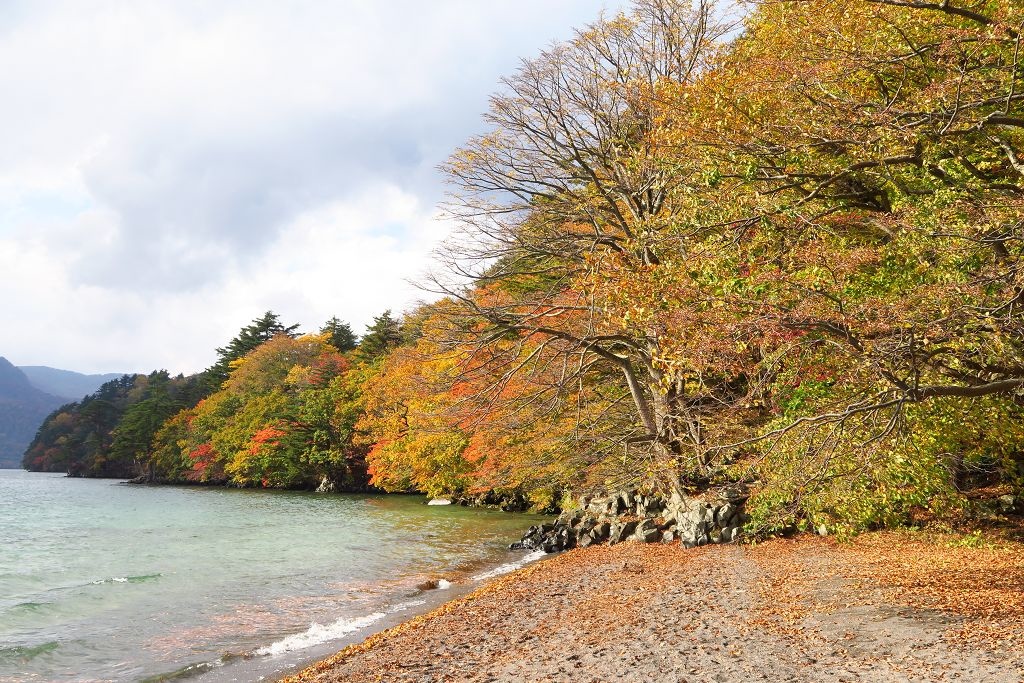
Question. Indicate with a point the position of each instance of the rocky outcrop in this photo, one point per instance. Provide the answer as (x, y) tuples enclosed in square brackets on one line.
[(1007, 504), (506, 501), (643, 518)]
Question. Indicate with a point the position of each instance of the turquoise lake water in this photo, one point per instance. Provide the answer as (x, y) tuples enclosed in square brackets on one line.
[(105, 581)]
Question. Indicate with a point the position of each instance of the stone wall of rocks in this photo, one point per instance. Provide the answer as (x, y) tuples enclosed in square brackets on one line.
[(506, 502), (644, 518)]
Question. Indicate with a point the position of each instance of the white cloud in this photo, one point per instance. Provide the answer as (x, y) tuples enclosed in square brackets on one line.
[(170, 170)]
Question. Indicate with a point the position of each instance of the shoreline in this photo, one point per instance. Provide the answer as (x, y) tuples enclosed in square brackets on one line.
[(191, 585), (881, 608), (289, 663), (281, 667)]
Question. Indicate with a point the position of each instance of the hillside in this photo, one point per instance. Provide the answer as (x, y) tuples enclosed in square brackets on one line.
[(65, 383), (23, 408)]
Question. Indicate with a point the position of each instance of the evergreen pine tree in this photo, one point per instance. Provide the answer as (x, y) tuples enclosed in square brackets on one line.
[(342, 337), (381, 336), (261, 330)]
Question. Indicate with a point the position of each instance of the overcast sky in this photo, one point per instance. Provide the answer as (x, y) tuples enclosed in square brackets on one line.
[(171, 170)]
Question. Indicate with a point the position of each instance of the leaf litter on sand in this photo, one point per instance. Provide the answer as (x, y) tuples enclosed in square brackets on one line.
[(983, 587), (798, 609)]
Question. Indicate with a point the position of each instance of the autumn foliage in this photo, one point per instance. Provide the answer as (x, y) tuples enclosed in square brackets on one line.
[(777, 244)]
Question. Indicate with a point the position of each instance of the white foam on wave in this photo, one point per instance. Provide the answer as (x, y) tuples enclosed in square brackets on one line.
[(127, 579), (317, 634), (442, 584), (511, 566)]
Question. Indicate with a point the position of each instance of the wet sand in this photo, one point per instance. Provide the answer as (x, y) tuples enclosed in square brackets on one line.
[(882, 609)]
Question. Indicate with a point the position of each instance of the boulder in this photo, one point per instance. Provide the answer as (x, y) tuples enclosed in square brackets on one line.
[(708, 515), (647, 532), (611, 507), (621, 531), (573, 518), (585, 526), (687, 536), (567, 538), (734, 493), (648, 506), (724, 514)]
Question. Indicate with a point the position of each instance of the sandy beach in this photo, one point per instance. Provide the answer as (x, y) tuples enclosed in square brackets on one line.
[(888, 607)]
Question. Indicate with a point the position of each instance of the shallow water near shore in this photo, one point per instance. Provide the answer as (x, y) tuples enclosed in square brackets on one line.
[(104, 581)]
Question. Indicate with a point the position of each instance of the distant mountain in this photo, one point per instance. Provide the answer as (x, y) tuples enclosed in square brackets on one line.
[(65, 383), (23, 408)]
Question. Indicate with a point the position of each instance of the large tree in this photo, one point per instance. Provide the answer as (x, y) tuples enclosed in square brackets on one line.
[(804, 242), (568, 188)]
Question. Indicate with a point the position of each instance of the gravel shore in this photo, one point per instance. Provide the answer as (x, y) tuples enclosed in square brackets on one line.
[(807, 610)]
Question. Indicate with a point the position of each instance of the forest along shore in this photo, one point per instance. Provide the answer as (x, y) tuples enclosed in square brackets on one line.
[(889, 606)]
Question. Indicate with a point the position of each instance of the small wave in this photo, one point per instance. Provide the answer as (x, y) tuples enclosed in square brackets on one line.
[(22, 654), (511, 566), (443, 584), (197, 669), (30, 606), (317, 634), (128, 579), (143, 578), (190, 671)]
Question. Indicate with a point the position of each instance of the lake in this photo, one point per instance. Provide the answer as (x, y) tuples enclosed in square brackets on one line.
[(101, 580)]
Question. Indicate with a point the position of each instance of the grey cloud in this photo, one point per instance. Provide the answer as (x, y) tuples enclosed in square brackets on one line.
[(193, 200), (186, 208), (174, 143)]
